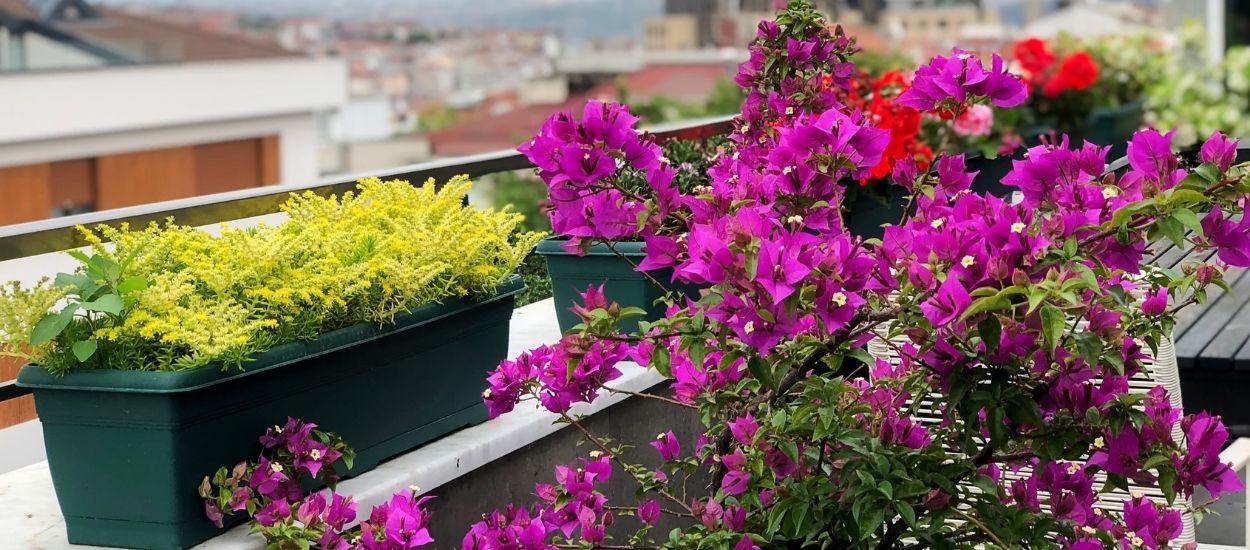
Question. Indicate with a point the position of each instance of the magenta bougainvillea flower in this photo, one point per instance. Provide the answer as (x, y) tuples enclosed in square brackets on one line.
[(947, 82)]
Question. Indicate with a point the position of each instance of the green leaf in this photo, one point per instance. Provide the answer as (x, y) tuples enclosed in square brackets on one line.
[(1193, 182), (73, 281), (870, 521), (760, 370), (1052, 325), (1188, 218), (908, 515), (1090, 346), (625, 313), (1024, 410), (1167, 481), (886, 489), (1209, 172), (661, 361), (863, 356), (84, 349), (132, 284), (108, 303), (988, 303), (985, 484), (52, 325), (1187, 197), (991, 332), (1173, 229)]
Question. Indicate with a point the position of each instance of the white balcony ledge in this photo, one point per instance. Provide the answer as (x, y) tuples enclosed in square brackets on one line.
[(32, 519)]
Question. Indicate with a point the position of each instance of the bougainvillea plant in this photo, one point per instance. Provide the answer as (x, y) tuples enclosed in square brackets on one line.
[(271, 490), (1018, 324), (1007, 417)]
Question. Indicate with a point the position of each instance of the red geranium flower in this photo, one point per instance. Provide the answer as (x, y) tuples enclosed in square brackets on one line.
[(1033, 56), (876, 98), (1077, 71)]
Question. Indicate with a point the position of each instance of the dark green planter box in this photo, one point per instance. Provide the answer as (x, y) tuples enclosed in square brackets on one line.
[(1115, 127), (990, 173), (571, 274), (866, 214), (127, 449)]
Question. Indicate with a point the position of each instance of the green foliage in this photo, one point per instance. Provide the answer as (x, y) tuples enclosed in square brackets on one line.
[(173, 297), (1197, 97)]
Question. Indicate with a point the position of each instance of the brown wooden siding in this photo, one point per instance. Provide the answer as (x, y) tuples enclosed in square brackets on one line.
[(227, 166), (73, 184), (128, 179), (26, 192)]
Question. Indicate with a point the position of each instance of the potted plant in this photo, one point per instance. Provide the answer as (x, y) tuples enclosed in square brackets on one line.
[(1088, 90), (1002, 425), (168, 343), (607, 250), (1033, 424)]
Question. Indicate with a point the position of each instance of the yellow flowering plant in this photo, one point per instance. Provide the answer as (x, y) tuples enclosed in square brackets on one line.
[(171, 297)]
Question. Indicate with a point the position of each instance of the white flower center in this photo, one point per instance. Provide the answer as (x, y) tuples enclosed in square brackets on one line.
[(749, 327), (937, 223), (1108, 192), (838, 298), (968, 261), (1017, 227)]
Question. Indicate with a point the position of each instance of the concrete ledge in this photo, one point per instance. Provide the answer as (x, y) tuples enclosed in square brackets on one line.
[(32, 519)]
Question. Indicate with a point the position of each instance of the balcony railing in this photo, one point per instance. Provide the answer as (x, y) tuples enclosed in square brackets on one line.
[(58, 234)]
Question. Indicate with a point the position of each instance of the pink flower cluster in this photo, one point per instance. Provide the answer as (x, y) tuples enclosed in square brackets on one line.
[(272, 491)]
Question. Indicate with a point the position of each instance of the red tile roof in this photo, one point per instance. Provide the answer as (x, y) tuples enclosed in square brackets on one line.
[(691, 83), (157, 41), (481, 132)]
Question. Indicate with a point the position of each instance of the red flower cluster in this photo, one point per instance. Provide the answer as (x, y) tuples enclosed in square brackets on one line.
[(876, 98), (1076, 71)]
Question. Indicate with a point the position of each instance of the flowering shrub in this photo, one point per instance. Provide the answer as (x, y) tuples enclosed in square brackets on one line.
[(1018, 324), (173, 297), (1072, 78), (271, 491)]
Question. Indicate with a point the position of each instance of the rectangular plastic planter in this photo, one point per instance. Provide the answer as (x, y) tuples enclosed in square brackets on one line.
[(127, 448), (571, 274)]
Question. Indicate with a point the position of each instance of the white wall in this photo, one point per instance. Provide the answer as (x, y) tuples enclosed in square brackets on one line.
[(42, 53), (58, 105), (362, 119)]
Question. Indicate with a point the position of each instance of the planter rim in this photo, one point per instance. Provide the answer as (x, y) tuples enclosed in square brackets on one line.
[(165, 382), (551, 246)]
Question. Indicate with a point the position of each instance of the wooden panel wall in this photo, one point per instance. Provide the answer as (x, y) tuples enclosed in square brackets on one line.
[(227, 165), (128, 179), (270, 160), (14, 411), (25, 192), (73, 183)]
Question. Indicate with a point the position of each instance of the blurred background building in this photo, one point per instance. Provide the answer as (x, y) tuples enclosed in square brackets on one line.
[(121, 102)]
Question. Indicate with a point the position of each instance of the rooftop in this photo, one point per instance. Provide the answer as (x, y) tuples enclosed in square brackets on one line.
[(91, 35)]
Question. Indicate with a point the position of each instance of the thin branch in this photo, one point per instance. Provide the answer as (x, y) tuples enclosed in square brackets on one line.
[(635, 266), (651, 396), (978, 523), (617, 459)]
